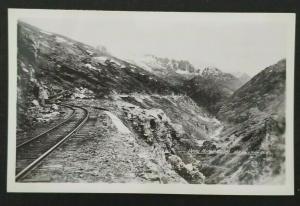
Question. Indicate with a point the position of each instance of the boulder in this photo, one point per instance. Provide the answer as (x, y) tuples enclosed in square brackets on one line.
[(54, 107), (178, 131), (35, 102), (208, 145), (188, 172)]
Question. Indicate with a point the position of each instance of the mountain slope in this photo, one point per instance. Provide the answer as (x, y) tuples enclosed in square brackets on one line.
[(264, 93), (169, 138), (50, 64), (225, 79), (211, 88), (254, 135), (65, 61)]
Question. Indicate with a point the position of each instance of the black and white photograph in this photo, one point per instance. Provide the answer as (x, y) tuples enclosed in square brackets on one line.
[(150, 102)]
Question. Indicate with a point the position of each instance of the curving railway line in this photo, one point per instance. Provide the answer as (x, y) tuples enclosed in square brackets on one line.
[(31, 152)]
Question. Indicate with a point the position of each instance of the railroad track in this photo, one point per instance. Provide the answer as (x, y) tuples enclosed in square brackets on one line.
[(31, 152)]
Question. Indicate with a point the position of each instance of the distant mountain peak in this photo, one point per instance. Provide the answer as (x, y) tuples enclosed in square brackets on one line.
[(164, 65), (216, 74)]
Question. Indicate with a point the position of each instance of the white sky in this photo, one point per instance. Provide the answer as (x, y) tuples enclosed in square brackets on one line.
[(233, 43)]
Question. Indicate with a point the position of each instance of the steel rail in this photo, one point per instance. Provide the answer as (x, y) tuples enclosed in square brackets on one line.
[(44, 155), (49, 130)]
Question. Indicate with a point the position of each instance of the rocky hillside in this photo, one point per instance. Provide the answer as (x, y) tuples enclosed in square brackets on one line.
[(255, 130), (264, 93), (162, 130), (55, 59), (50, 64), (211, 88), (158, 116)]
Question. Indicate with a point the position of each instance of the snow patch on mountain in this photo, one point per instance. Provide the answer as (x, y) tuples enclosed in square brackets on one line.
[(90, 67), (60, 39), (159, 65), (45, 32), (101, 59), (182, 72)]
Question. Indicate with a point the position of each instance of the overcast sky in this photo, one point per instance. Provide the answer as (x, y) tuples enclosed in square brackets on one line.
[(238, 43)]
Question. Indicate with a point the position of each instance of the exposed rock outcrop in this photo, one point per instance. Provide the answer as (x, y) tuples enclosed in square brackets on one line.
[(189, 172)]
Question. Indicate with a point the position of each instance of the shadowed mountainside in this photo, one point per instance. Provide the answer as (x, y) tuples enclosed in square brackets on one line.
[(264, 93), (212, 88), (254, 132)]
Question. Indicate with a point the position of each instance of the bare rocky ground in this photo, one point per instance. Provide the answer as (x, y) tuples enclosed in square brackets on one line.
[(159, 139), (100, 152), (139, 138)]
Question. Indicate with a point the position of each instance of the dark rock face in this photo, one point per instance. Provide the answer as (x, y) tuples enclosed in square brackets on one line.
[(189, 172), (208, 145)]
